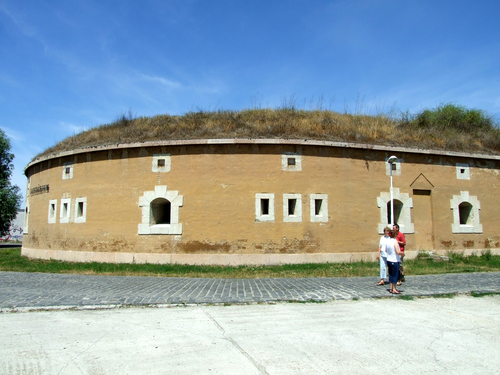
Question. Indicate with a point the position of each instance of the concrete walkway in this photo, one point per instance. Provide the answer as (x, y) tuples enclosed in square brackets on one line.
[(74, 324), (39, 290)]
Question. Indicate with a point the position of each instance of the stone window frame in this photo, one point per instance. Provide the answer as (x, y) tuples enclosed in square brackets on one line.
[(473, 225), (52, 214), (69, 175), (65, 214), (26, 217), (396, 171), (83, 217), (286, 166), (297, 216), (404, 222), (176, 201), (160, 169), (323, 216), (463, 171), (259, 216)]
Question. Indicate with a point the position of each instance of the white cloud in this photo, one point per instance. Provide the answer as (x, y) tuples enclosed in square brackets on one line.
[(163, 81), (13, 135), (72, 128)]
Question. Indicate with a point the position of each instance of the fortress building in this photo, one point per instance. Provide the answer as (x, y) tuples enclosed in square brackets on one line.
[(255, 201)]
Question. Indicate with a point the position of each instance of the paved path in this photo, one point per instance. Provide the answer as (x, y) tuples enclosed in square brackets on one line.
[(39, 290)]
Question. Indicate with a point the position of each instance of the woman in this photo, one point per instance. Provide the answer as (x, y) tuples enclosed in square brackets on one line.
[(393, 259), (382, 254)]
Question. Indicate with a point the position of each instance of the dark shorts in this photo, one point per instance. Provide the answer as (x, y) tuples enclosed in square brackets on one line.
[(393, 271)]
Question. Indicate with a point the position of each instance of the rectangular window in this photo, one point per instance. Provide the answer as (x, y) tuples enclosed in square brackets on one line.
[(26, 216), (291, 161), (80, 210), (161, 163), (318, 203), (264, 207), (292, 208), (319, 208), (463, 171), (292, 203), (394, 167), (65, 210), (67, 171), (52, 211)]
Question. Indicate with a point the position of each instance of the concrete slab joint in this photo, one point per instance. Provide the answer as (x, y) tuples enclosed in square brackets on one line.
[(160, 211)]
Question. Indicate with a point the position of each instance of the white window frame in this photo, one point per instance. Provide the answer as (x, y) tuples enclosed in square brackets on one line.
[(67, 176), (52, 218), (176, 201), (323, 216), (166, 168), (297, 216), (405, 224), (474, 225), (259, 216), (26, 217), (83, 217), (297, 167), (463, 171), (396, 171), (65, 216)]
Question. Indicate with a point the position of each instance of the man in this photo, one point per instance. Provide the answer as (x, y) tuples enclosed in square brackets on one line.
[(400, 237)]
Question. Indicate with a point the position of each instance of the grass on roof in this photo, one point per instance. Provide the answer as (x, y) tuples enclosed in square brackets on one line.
[(447, 127)]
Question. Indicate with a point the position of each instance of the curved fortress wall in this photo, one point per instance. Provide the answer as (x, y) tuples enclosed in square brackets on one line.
[(254, 202)]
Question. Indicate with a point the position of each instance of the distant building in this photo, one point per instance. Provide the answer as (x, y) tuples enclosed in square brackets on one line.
[(16, 228), (255, 201)]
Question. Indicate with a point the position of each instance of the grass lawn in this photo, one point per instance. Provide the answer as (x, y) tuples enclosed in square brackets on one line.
[(11, 260)]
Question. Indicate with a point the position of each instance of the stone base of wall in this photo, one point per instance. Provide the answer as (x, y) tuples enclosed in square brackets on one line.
[(216, 259)]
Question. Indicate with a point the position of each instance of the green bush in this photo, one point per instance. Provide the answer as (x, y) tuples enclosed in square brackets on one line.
[(450, 116)]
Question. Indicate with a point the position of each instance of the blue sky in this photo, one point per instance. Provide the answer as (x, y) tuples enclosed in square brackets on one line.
[(68, 65)]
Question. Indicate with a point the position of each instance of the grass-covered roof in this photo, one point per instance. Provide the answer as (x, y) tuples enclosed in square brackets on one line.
[(447, 127)]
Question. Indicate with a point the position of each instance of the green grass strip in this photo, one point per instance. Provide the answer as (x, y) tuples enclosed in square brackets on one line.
[(11, 260)]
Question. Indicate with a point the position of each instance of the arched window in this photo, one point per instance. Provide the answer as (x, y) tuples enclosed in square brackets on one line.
[(465, 213), (402, 211), (160, 211), (398, 208)]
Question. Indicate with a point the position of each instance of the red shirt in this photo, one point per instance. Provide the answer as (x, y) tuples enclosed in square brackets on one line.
[(400, 237)]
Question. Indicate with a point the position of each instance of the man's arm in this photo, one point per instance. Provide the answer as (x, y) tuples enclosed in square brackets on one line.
[(401, 239)]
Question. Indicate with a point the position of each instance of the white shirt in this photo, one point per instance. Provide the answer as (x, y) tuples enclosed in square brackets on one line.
[(383, 244), (390, 247)]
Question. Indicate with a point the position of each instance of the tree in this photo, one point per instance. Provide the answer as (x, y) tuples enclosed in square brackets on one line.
[(10, 196)]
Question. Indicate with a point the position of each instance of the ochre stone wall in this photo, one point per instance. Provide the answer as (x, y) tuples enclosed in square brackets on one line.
[(219, 182)]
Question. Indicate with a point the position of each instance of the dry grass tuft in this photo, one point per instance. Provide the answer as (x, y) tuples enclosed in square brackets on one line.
[(439, 129)]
